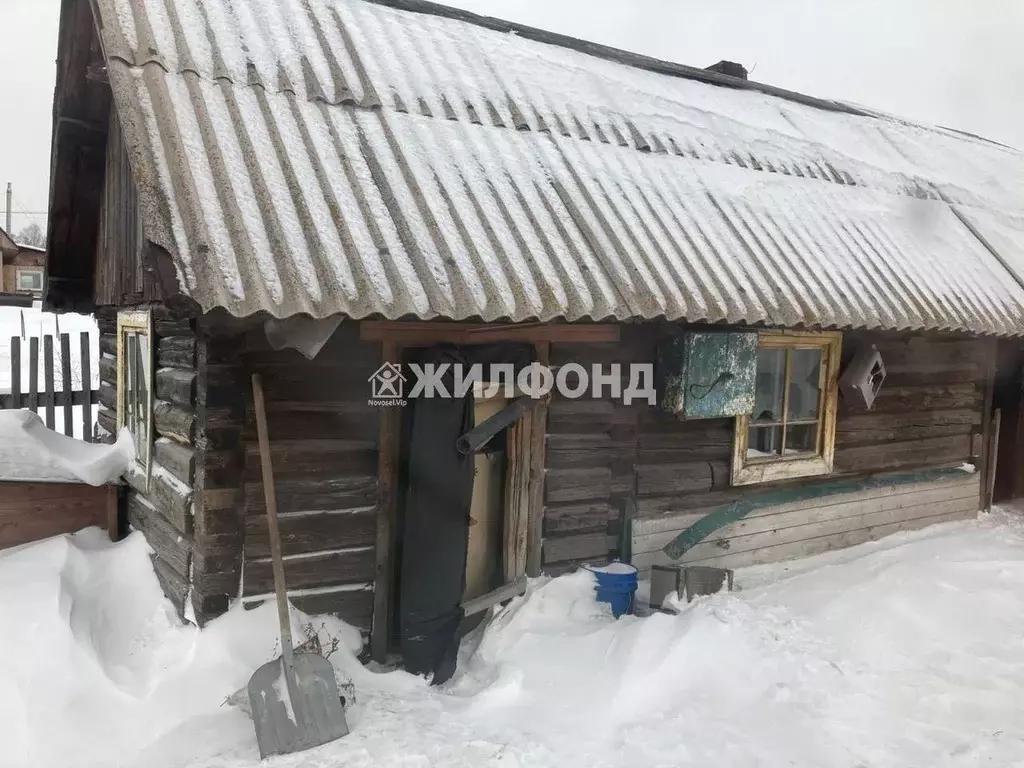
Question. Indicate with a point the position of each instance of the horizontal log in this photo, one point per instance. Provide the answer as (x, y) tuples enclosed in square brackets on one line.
[(298, 459), (321, 570), (108, 370), (867, 420), (920, 398), (857, 437), (176, 352), (314, 494), (173, 584), (108, 420), (568, 485), (162, 328), (353, 606), (803, 521), (771, 553), (911, 453), (108, 344), (176, 458), (171, 544), (170, 497), (176, 386), (312, 533), (350, 419), (174, 421), (577, 518), (107, 396), (675, 479), (575, 548)]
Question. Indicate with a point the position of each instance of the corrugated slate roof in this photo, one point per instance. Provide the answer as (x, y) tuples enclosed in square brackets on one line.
[(326, 156)]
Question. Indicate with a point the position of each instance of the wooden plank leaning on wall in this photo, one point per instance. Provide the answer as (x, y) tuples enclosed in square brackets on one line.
[(394, 337)]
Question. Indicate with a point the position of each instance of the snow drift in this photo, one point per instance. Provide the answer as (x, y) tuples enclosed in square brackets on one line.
[(905, 652), (32, 453)]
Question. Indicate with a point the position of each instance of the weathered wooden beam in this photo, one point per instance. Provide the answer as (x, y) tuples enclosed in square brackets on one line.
[(538, 430), (16, 371), (85, 356), (48, 379), (176, 352), (173, 421), (495, 596), (176, 459), (176, 385), (387, 504), (171, 544), (108, 370), (66, 387), (419, 333)]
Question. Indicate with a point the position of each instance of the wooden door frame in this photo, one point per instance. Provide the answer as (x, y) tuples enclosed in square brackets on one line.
[(524, 491)]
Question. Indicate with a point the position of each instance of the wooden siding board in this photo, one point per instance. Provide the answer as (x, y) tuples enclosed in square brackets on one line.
[(834, 508), (927, 415), (770, 553)]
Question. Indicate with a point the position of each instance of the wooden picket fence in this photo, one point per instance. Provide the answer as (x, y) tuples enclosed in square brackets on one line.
[(49, 398)]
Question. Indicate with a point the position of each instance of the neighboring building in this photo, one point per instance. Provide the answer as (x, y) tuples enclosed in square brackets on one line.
[(441, 187), (22, 267)]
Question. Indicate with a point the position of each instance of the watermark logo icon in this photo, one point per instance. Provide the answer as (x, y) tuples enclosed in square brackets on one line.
[(387, 384)]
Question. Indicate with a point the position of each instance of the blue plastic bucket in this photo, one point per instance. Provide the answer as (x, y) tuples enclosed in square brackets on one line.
[(616, 585)]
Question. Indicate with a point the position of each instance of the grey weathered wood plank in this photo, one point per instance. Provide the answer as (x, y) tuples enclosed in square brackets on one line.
[(66, 387), (812, 539), (33, 373), (16, 372), (789, 522), (48, 379), (83, 345), (952, 488)]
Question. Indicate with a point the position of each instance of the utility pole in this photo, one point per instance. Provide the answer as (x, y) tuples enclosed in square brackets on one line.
[(10, 198)]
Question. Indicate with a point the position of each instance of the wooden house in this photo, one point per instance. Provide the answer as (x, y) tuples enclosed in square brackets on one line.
[(397, 181), (22, 267)]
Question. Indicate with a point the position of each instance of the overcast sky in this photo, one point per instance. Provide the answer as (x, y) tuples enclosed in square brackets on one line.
[(953, 62)]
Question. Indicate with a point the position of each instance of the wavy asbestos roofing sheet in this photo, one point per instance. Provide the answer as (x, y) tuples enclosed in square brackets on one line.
[(340, 156)]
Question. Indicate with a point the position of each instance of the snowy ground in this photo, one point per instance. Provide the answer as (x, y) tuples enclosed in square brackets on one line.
[(908, 652)]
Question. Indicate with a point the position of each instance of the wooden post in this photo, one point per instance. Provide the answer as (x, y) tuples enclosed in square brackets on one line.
[(993, 461), (16, 372), (387, 496), (48, 379), (65, 371), (87, 435), (538, 441), (33, 373)]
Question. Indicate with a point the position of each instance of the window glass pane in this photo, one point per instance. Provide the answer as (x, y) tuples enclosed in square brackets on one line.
[(802, 438), (764, 441), (771, 379), (804, 378)]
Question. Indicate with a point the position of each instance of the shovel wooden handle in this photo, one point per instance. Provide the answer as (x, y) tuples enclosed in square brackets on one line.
[(275, 532)]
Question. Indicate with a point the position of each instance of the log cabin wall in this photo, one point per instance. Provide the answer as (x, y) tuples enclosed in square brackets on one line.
[(608, 462), (323, 437), (191, 510), (120, 277)]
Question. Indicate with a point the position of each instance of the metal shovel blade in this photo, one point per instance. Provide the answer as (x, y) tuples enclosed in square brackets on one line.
[(291, 718)]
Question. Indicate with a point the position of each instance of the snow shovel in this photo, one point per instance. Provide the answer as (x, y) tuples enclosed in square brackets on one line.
[(294, 699)]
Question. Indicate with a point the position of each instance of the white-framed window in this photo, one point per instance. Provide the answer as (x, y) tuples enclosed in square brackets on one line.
[(792, 429), (135, 382), (29, 279)]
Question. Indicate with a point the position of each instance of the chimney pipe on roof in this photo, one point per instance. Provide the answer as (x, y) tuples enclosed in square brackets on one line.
[(730, 68)]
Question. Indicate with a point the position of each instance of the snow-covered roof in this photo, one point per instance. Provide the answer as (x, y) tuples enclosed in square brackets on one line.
[(346, 156)]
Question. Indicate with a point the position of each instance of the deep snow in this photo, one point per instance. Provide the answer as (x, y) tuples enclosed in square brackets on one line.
[(906, 652), (32, 453)]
